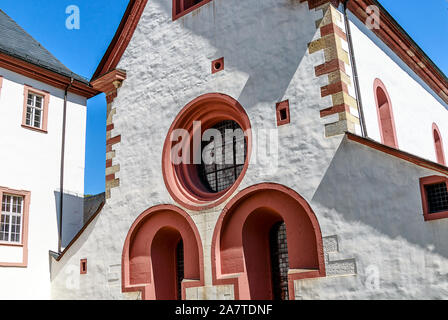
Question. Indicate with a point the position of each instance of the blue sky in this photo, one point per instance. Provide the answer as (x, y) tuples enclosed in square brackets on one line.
[(81, 50)]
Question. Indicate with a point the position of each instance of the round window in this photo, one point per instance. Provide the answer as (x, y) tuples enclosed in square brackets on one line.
[(206, 151)]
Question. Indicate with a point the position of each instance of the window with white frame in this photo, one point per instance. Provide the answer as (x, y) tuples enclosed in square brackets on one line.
[(11, 218), (34, 110)]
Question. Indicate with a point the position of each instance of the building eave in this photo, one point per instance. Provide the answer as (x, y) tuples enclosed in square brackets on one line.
[(47, 76), (421, 162)]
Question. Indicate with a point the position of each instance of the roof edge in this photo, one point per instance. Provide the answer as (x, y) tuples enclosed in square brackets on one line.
[(391, 33)]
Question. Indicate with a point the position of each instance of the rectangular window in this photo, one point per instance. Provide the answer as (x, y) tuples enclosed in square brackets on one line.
[(182, 7), (434, 192), (34, 108), (11, 218), (437, 196)]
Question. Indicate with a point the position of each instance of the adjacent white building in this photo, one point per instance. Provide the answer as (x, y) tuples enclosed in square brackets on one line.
[(33, 84)]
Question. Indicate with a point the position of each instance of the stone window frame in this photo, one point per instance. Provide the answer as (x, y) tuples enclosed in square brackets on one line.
[(183, 11), (26, 195), (426, 181), (45, 103)]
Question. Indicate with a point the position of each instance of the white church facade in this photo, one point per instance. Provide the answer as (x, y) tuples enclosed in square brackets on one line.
[(336, 181)]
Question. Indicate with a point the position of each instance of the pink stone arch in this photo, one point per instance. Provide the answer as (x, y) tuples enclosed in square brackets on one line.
[(236, 246), (438, 144), (148, 250), (385, 115)]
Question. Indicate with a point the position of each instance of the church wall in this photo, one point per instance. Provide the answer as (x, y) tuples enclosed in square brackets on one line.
[(415, 106), (367, 203)]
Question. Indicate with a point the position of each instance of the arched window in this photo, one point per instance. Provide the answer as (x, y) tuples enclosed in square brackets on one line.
[(385, 115), (440, 155)]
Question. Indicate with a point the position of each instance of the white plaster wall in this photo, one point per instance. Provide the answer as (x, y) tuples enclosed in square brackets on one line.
[(415, 106), (30, 161), (264, 44)]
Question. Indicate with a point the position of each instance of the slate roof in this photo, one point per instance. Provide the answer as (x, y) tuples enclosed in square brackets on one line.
[(16, 42)]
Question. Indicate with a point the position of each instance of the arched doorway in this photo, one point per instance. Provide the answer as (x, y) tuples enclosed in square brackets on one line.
[(438, 145), (162, 249), (265, 238)]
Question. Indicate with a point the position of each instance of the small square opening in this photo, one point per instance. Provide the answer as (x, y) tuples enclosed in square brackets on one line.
[(83, 266)]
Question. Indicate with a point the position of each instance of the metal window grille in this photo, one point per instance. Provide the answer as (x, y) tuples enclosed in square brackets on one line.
[(11, 218), (179, 268), (229, 158), (437, 196), (34, 110), (279, 261)]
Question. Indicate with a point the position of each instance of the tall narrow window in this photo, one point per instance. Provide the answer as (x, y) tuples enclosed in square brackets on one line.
[(11, 219), (440, 155), (279, 261), (34, 108), (179, 268), (385, 115), (181, 7)]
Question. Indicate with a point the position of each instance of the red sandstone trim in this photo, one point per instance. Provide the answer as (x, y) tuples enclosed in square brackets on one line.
[(429, 181), (438, 145), (24, 236), (332, 29), (110, 127), (424, 163), (333, 88), (379, 84), (147, 289), (83, 266), (182, 180), (335, 109), (114, 140), (217, 65), (40, 74), (329, 67), (187, 11), (46, 102), (248, 200), (280, 106)]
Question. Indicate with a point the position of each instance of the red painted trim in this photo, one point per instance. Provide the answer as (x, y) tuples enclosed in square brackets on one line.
[(217, 65), (334, 88), (114, 140), (329, 67), (438, 145), (51, 78), (46, 102), (425, 182), (398, 153), (83, 266), (335, 109), (24, 236), (121, 38), (284, 105), (138, 243), (182, 180), (286, 203), (386, 118), (332, 29), (187, 11)]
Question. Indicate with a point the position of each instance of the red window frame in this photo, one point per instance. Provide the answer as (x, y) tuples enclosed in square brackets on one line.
[(426, 181), (182, 11)]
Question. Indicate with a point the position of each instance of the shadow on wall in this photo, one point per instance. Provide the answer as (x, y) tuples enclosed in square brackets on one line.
[(368, 187), (73, 215), (268, 50)]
